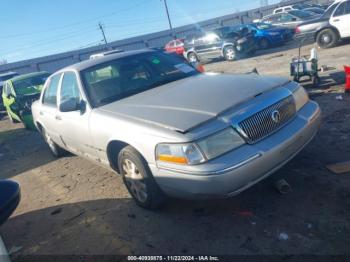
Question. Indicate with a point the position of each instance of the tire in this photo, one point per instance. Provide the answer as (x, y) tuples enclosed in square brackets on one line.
[(327, 38), (264, 43), (139, 180), (230, 53), (55, 150), (192, 57)]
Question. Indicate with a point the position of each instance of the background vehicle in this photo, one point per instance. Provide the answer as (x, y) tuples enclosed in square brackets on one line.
[(18, 95), (331, 27), (315, 10), (290, 19), (175, 46), (3, 78), (174, 141), (283, 9), (267, 35), (227, 42)]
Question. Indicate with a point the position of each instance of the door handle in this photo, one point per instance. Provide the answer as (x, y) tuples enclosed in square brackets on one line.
[(336, 20), (58, 117)]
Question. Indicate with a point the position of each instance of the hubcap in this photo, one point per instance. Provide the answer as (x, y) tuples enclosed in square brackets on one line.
[(192, 58), (326, 38), (230, 54), (134, 180)]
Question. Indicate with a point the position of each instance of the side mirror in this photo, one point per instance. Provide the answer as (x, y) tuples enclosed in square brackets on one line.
[(69, 105)]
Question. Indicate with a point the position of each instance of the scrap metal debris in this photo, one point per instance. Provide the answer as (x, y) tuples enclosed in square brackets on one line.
[(282, 186), (339, 168)]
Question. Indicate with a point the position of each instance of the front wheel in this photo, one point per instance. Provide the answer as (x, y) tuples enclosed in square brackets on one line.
[(139, 180), (264, 43), (230, 53), (327, 38)]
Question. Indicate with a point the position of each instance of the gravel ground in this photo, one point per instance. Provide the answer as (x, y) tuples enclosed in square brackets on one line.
[(73, 207)]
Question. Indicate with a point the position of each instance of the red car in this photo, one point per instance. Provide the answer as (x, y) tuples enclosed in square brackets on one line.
[(175, 46)]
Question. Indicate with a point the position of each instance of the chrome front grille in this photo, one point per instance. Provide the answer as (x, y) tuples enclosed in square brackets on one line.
[(268, 120)]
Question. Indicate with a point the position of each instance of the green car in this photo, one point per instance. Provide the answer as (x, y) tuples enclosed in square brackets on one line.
[(19, 93)]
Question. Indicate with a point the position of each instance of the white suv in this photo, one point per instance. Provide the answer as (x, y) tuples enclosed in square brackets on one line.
[(331, 27)]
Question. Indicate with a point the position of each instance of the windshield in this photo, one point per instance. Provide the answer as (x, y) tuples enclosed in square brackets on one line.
[(329, 10), (127, 76), (300, 14), (30, 85)]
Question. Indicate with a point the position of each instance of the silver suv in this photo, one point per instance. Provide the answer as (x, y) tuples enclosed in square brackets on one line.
[(172, 131)]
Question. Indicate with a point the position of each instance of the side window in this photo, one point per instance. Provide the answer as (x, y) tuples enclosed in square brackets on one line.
[(50, 95), (340, 10), (69, 87), (347, 7)]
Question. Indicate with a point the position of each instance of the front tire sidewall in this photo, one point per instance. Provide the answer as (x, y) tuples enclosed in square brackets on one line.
[(155, 197), (192, 58), (327, 38)]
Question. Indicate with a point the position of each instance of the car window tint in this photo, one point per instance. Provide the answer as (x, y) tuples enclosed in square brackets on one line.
[(136, 74), (347, 7), (50, 95), (340, 10), (69, 87)]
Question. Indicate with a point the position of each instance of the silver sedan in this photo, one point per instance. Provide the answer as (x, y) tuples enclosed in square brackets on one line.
[(170, 130)]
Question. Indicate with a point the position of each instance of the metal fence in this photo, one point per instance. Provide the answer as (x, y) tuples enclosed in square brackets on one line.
[(55, 62)]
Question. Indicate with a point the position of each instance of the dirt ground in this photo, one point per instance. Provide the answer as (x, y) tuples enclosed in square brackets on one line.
[(73, 207)]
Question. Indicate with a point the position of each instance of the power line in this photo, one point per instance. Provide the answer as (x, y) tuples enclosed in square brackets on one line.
[(103, 32)]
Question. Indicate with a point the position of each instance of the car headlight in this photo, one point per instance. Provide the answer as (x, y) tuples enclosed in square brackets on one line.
[(300, 97), (220, 143), (183, 154), (201, 151)]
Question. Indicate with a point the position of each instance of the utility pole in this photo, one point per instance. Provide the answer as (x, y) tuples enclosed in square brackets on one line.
[(103, 32), (167, 13)]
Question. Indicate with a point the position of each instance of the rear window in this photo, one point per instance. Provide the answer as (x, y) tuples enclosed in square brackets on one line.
[(127, 76), (29, 84), (300, 14)]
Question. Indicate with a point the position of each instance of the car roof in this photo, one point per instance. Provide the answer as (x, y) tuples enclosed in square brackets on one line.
[(93, 62), (25, 76)]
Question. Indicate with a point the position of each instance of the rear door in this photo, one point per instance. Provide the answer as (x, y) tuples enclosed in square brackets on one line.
[(48, 109), (341, 19), (73, 126), (209, 46)]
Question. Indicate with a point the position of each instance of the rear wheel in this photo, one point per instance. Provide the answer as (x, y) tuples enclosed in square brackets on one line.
[(327, 38), (56, 150), (230, 53), (192, 58), (139, 180)]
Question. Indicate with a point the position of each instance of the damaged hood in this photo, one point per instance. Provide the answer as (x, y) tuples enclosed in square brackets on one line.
[(186, 103)]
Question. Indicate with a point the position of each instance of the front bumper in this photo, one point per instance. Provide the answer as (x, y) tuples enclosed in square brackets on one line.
[(236, 171)]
